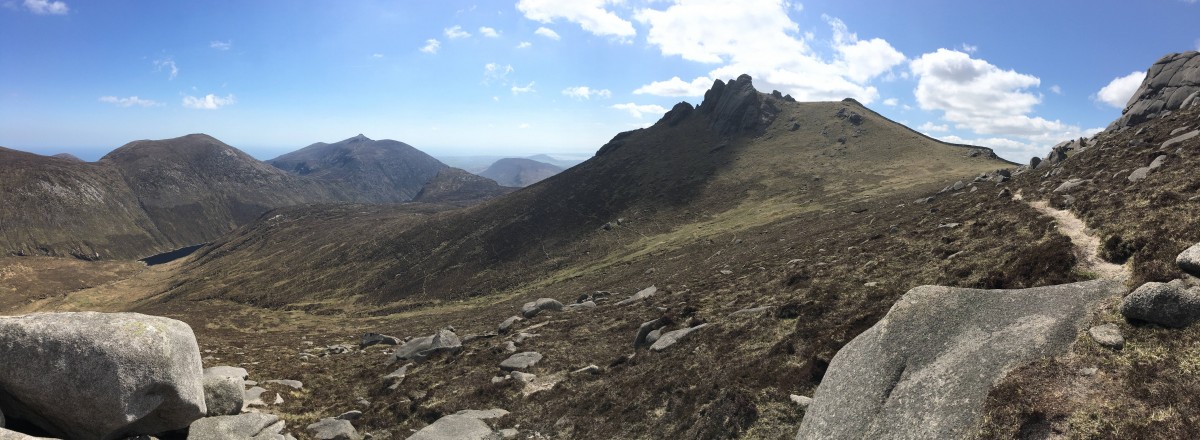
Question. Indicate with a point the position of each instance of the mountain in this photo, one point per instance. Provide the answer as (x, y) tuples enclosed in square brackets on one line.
[(561, 163), (455, 186), (370, 171), (517, 172), (63, 207), (195, 188)]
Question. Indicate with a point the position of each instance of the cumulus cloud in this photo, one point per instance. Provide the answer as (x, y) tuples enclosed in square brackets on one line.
[(1056, 89), (489, 32), (676, 87), (638, 110), (431, 46), (968, 48), (376, 55), (931, 127), (758, 38), (208, 102), (221, 45), (455, 32), (891, 102), (591, 15), (47, 7), (547, 32), (129, 102), (168, 65), (517, 90), (585, 92), (524, 45), (1120, 89)]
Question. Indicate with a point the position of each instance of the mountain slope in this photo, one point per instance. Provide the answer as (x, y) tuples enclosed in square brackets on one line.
[(383, 171), (66, 207), (518, 172), (742, 159)]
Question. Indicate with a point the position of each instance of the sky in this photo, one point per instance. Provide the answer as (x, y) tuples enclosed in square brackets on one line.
[(519, 77)]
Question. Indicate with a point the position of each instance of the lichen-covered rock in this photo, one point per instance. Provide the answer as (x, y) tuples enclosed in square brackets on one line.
[(89, 375), (1189, 260), (925, 369), (1167, 304)]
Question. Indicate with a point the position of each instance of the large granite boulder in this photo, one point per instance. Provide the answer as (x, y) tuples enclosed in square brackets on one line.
[(1170, 304), (463, 425), (418, 349), (1189, 260), (925, 369), (253, 426), (1168, 85), (91, 375)]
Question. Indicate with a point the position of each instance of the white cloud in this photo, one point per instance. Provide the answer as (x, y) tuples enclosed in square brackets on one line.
[(221, 45), (637, 110), (1119, 90), (517, 90), (377, 55), (488, 32), (931, 127), (758, 38), (524, 45), (589, 14), (46, 7), (676, 87), (431, 46), (1056, 89), (585, 92), (968, 48), (129, 102), (891, 102), (494, 72), (455, 32), (547, 32), (208, 102), (168, 65)]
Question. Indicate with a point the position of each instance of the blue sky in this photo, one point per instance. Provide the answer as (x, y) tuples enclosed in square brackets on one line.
[(527, 76)]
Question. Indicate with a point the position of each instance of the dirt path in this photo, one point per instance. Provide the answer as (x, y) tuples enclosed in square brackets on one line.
[(1087, 246)]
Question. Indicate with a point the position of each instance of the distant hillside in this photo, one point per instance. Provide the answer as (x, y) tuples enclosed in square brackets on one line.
[(518, 172), (455, 186), (369, 171)]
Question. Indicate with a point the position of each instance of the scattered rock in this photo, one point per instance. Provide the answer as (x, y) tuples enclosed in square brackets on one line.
[(582, 306), (1108, 335), (647, 327), (510, 347), (1189, 260), (350, 415), (227, 371), (802, 401), (370, 339), (507, 325), (1071, 184), (726, 272), (330, 428), (642, 294), (653, 336), (521, 337), (1166, 304), (464, 425), (508, 433), (521, 361), (295, 384), (253, 397), (223, 395), (533, 308), (470, 338), (1179, 139), (1004, 194), (395, 378), (923, 201), (522, 377), (1141, 173), (751, 311), (88, 375), (671, 338), (418, 349), (254, 426), (925, 369), (590, 369)]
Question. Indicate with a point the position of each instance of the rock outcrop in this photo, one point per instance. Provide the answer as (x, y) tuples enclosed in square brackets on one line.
[(418, 349), (736, 107), (91, 375), (1171, 83), (925, 369)]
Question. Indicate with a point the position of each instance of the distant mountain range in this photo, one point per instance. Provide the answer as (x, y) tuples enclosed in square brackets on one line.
[(518, 172), (150, 196)]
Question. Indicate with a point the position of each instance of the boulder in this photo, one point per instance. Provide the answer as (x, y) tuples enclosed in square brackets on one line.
[(801, 401), (224, 396), (418, 349), (925, 369), (507, 325), (13, 435), (350, 415), (1179, 139), (88, 375), (254, 426), (253, 397), (370, 339), (521, 361), (642, 294), (463, 425), (1168, 84), (1189, 260), (293, 384), (645, 329), (330, 428), (1167, 304), (533, 308), (1071, 184), (1108, 335), (672, 337), (227, 371), (1141, 173)]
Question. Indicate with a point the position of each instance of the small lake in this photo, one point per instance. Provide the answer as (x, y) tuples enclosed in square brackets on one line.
[(169, 256)]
